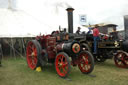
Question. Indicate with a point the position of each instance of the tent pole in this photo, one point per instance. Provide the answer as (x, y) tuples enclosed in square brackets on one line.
[(13, 48), (24, 47)]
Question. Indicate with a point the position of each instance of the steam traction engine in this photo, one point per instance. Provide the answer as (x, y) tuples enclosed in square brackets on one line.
[(61, 52), (121, 58), (110, 48)]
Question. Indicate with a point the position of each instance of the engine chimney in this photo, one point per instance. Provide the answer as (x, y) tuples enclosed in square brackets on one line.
[(126, 26), (70, 19)]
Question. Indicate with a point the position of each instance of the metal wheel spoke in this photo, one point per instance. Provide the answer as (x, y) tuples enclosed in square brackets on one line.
[(32, 47), (59, 66), (86, 62), (86, 57), (59, 62), (62, 58), (126, 59), (29, 47), (35, 50), (64, 70), (35, 59), (29, 55), (35, 54), (89, 66), (65, 64), (31, 63), (84, 65), (82, 61)]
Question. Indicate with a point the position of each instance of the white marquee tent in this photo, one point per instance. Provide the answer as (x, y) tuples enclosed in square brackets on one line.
[(32, 17)]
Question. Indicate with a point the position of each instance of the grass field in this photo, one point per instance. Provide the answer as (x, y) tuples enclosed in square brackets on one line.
[(16, 72)]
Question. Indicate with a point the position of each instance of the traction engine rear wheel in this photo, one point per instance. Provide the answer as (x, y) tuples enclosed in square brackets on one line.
[(86, 64), (121, 60), (33, 53), (62, 64)]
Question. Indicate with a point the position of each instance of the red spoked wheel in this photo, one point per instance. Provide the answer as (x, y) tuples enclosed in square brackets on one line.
[(86, 64), (62, 64), (33, 53), (121, 60), (126, 60)]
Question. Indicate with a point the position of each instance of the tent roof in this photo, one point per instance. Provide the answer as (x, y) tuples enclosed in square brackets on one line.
[(19, 24)]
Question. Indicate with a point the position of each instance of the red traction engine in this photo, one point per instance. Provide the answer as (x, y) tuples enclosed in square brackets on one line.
[(47, 49)]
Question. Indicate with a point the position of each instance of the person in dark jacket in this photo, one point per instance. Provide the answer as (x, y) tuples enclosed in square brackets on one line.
[(114, 34), (90, 30), (78, 30)]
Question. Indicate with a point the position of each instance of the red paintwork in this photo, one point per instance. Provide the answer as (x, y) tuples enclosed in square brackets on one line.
[(31, 55), (49, 43), (75, 51), (84, 63), (52, 51), (50, 47), (53, 47), (59, 47), (126, 61), (61, 65), (121, 60)]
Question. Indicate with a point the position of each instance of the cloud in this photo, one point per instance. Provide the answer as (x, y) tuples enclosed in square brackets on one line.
[(52, 13)]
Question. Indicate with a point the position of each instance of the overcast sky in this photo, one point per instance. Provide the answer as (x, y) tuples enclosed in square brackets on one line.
[(97, 11), (52, 13)]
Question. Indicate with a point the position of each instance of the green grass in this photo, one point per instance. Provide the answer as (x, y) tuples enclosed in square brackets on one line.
[(16, 72)]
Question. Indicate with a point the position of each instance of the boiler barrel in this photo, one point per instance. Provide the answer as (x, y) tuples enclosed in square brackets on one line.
[(69, 47)]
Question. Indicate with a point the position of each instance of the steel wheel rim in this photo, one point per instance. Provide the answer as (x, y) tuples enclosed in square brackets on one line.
[(119, 60), (85, 63), (31, 55), (61, 65), (126, 60)]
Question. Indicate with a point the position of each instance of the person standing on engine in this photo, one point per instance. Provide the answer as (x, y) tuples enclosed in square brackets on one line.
[(78, 30), (95, 37), (90, 30)]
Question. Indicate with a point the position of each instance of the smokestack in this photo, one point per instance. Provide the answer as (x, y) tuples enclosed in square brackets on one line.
[(126, 26), (9, 4), (70, 19)]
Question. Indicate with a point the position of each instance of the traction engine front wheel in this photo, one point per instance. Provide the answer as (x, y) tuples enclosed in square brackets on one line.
[(62, 64)]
